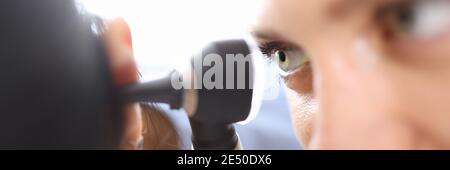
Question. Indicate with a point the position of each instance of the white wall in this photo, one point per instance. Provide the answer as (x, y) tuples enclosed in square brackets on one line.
[(167, 32)]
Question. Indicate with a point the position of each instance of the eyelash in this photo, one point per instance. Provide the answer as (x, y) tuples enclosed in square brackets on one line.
[(269, 48)]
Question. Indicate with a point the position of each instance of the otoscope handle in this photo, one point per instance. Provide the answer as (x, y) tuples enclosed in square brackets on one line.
[(213, 136), (156, 91)]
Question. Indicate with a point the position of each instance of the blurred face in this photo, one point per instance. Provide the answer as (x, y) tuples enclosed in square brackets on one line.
[(118, 43), (145, 126), (371, 74)]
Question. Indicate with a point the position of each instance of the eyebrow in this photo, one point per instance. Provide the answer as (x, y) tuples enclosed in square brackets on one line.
[(265, 34), (344, 7), (336, 9), (341, 6)]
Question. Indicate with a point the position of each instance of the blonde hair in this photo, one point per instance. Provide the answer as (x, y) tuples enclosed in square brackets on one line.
[(158, 131)]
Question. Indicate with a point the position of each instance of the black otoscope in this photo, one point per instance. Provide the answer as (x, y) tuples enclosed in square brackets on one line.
[(56, 90), (212, 111)]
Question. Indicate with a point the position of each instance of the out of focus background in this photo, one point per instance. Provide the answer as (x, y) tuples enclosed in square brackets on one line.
[(166, 33)]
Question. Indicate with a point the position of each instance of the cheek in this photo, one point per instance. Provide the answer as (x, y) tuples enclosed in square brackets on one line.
[(422, 85), (303, 109), (422, 97), (301, 80)]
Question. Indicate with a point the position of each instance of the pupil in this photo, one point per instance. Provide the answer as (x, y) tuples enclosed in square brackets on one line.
[(281, 56), (406, 18)]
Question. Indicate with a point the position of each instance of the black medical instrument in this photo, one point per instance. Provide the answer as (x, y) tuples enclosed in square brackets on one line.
[(56, 87), (57, 90), (212, 112)]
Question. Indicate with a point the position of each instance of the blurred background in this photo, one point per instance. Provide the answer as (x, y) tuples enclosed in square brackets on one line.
[(166, 33)]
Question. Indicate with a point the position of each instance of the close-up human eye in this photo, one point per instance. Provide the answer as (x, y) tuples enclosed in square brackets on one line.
[(421, 19), (288, 59)]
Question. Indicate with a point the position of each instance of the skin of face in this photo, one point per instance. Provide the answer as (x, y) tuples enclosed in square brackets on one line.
[(363, 88), (118, 43), (146, 126)]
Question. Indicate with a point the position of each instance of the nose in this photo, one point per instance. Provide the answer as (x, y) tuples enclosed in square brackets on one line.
[(355, 110)]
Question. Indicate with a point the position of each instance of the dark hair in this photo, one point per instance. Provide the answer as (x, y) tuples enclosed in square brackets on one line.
[(56, 91)]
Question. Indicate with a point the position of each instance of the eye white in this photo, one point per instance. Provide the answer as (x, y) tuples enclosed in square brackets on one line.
[(432, 17), (289, 60)]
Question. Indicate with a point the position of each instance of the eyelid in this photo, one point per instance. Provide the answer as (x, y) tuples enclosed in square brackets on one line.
[(420, 30), (386, 8), (270, 47)]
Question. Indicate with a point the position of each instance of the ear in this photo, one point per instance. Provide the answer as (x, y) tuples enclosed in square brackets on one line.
[(118, 43), (119, 46)]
